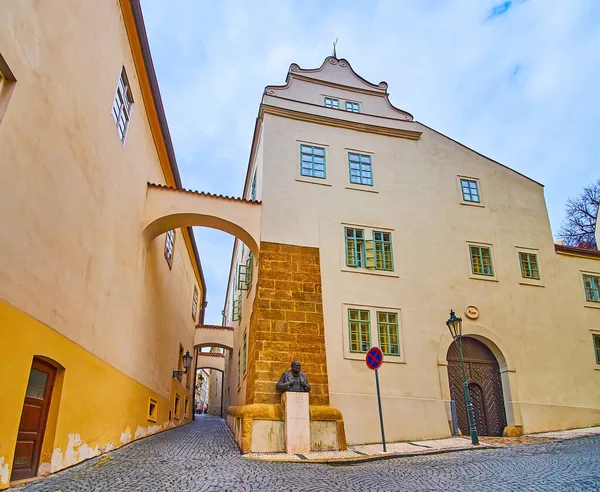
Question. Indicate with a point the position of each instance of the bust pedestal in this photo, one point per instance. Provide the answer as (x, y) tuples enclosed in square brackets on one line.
[(296, 422)]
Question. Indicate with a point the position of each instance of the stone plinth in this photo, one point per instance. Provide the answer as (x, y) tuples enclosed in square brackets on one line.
[(296, 422)]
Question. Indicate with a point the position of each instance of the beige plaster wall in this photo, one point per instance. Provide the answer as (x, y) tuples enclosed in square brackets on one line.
[(74, 194), (235, 394), (543, 329)]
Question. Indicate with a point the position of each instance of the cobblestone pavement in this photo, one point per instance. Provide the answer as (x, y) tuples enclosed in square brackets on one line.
[(202, 456)]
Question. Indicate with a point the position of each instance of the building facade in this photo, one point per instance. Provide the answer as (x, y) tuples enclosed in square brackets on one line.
[(94, 315), (373, 227)]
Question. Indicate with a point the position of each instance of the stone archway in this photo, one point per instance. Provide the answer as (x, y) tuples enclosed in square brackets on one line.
[(485, 387)]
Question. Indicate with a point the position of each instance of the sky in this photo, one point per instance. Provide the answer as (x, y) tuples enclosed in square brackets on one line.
[(518, 81)]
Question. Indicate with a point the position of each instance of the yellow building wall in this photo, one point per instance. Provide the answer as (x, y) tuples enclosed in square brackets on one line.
[(94, 407)]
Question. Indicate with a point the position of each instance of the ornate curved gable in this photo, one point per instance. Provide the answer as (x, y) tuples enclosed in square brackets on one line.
[(336, 78)]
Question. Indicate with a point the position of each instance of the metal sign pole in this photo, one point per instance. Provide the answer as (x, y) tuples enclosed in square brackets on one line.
[(380, 412)]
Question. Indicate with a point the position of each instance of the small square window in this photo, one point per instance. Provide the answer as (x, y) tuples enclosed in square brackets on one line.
[(169, 247), (332, 103), (470, 190), (481, 260), (176, 409), (529, 265), (592, 288), (352, 107), (195, 303), (152, 409), (122, 104), (361, 170), (360, 330), (596, 339), (312, 161)]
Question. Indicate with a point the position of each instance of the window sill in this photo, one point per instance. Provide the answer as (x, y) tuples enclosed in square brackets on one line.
[(483, 277), (365, 271), (151, 419), (317, 181), (592, 305), (533, 283), (368, 189), (472, 204), (596, 368)]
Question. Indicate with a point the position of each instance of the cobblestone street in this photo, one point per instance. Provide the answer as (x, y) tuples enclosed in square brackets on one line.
[(202, 456)]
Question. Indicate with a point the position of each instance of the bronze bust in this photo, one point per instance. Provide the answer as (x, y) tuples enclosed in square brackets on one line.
[(293, 380)]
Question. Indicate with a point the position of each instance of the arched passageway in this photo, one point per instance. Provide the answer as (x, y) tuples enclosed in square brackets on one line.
[(485, 387), (214, 336), (169, 208)]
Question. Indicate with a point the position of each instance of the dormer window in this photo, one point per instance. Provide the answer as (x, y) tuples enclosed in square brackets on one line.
[(352, 107), (332, 103)]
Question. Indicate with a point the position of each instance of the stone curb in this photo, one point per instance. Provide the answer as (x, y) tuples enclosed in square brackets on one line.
[(374, 457)]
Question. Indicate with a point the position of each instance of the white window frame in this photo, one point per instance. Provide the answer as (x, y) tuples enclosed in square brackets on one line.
[(122, 106)]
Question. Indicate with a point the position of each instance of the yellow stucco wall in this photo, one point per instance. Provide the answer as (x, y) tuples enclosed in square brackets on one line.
[(94, 408)]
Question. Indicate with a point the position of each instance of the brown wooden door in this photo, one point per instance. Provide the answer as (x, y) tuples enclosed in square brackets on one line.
[(33, 420), (485, 388)]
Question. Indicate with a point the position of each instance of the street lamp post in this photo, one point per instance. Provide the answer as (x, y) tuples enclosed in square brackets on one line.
[(454, 324)]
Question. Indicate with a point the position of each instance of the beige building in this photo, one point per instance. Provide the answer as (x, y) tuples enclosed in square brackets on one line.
[(373, 226), (100, 290)]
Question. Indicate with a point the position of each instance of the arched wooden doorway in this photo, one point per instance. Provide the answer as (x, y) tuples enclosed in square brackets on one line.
[(485, 387)]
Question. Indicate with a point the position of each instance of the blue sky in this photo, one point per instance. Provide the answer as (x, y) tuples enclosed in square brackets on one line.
[(518, 81)]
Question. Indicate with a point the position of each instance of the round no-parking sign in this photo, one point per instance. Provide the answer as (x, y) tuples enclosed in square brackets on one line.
[(374, 358)]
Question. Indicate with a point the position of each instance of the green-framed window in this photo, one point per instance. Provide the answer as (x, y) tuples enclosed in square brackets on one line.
[(596, 339), (592, 288), (239, 368), (332, 103), (361, 169), (382, 243), (312, 161), (253, 187), (481, 260), (237, 308), (355, 247), (244, 275), (352, 107), (389, 338), (359, 324), (245, 351), (470, 190), (529, 265)]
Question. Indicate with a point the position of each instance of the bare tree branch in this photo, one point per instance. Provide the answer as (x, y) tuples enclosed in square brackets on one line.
[(580, 218)]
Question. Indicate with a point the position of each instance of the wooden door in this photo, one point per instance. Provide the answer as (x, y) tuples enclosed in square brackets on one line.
[(33, 420), (485, 388)]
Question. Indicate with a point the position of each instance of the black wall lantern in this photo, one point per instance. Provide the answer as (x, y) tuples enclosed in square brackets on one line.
[(187, 362)]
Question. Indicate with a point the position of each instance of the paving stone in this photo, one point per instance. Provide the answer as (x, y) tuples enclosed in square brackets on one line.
[(202, 456)]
